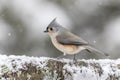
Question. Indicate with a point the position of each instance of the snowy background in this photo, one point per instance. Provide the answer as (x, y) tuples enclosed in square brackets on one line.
[(22, 23)]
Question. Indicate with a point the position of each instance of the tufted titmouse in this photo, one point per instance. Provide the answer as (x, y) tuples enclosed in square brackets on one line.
[(68, 42)]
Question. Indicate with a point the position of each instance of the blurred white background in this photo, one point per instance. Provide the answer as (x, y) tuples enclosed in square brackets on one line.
[(22, 23)]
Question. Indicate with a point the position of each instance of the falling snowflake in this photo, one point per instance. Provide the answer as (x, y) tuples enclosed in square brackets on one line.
[(9, 34), (94, 41)]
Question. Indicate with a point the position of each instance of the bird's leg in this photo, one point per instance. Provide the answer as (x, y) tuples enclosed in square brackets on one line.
[(74, 59), (61, 56), (64, 54)]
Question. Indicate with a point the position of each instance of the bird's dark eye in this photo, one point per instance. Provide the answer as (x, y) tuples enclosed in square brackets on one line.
[(51, 29)]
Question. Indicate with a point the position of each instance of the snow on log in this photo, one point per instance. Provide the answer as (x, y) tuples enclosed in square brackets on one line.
[(43, 68)]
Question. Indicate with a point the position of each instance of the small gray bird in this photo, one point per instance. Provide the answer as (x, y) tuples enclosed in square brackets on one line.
[(67, 42)]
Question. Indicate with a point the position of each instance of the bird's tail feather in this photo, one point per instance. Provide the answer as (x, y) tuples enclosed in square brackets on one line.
[(94, 50)]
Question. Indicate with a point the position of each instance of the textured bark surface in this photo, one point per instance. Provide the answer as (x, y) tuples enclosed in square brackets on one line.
[(34, 68)]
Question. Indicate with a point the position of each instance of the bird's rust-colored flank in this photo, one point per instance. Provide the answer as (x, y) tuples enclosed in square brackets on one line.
[(70, 47)]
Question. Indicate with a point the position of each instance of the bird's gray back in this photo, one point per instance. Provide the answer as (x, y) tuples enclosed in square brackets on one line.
[(68, 38)]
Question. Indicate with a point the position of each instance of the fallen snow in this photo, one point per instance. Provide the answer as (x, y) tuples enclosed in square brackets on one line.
[(82, 70), (107, 69)]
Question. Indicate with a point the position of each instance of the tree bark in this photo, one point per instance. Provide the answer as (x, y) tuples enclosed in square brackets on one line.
[(43, 68)]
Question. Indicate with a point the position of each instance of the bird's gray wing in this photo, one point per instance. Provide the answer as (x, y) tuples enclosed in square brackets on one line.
[(67, 38)]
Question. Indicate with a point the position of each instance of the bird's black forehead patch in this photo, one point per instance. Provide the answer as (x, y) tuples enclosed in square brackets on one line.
[(47, 28)]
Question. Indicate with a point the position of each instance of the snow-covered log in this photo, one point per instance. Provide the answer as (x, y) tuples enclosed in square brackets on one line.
[(43, 68)]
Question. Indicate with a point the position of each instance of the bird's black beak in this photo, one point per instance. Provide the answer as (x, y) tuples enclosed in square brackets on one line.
[(46, 31)]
